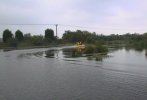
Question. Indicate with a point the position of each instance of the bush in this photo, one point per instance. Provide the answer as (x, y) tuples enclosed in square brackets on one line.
[(12, 42), (95, 49), (37, 40), (89, 49), (101, 49)]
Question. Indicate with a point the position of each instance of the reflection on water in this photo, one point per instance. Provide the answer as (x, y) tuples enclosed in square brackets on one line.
[(74, 53), (6, 50), (97, 57), (134, 48), (71, 53), (27, 55), (118, 59), (77, 52), (66, 53), (50, 54), (129, 49)]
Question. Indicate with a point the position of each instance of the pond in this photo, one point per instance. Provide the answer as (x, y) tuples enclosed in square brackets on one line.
[(65, 74)]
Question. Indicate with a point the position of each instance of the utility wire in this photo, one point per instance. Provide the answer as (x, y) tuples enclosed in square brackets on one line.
[(26, 24)]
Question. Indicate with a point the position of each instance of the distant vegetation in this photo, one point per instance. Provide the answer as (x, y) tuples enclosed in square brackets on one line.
[(95, 49), (19, 39), (136, 40), (83, 36)]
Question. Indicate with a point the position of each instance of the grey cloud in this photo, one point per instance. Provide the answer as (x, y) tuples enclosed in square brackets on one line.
[(106, 14)]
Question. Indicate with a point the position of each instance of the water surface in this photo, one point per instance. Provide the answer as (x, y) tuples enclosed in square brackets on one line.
[(56, 74)]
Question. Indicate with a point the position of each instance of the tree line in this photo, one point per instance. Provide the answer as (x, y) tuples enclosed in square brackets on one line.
[(10, 39), (128, 39), (22, 40)]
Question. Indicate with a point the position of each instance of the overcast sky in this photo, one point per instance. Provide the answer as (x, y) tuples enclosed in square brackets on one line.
[(101, 16)]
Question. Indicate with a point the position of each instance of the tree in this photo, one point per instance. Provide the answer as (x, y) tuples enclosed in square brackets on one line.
[(7, 35), (79, 36), (27, 36), (19, 35), (49, 34)]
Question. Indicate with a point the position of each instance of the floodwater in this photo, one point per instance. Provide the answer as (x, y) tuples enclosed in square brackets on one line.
[(57, 74)]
